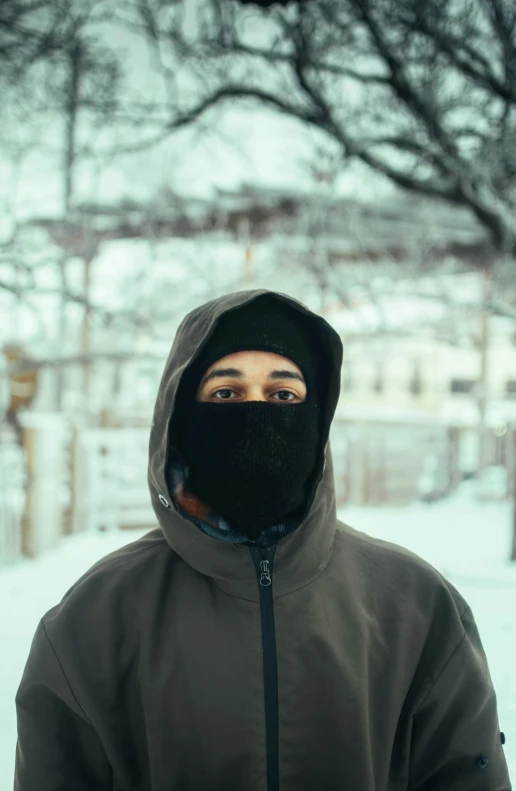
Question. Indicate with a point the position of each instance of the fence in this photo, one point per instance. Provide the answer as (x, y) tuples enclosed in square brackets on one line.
[(107, 485), (12, 496), (44, 439), (110, 489), (380, 462)]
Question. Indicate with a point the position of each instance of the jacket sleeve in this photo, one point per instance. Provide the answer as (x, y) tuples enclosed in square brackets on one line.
[(456, 740), (57, 746)]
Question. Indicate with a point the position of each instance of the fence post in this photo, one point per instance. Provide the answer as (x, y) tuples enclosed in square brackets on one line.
[(80, 459), (43, 439), (512, 489), (12, 495)]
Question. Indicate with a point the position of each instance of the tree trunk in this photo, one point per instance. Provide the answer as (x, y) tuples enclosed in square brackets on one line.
[(85, 341), (484, 373), (513, 553), (71, 109)]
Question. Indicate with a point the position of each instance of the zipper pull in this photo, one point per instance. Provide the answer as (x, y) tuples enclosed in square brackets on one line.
[(265, 577)]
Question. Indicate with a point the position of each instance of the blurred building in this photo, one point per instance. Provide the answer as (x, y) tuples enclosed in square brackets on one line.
[(428, 383), (410, 418)]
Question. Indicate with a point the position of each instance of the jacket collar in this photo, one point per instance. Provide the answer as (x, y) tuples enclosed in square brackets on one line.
[(210, 546)]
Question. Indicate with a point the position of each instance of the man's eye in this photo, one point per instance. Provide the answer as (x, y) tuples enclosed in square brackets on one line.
[(282, 392), (279, 392), (224, 390)]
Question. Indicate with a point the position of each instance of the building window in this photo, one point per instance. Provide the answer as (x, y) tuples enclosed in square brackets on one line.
[(510, 388), (416, 384), (379, 380), (462, 385)]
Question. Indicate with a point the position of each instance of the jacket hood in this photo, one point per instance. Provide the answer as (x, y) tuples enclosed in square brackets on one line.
[(201, 537)]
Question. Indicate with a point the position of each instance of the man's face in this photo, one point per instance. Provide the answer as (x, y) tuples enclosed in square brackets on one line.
[(253, 376)]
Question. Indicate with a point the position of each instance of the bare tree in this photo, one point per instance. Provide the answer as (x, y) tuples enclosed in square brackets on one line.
[(422, 92), (64, 74), (32, 31)]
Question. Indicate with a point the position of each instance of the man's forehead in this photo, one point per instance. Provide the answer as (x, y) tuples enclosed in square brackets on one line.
[(246, 359), (230, 372)]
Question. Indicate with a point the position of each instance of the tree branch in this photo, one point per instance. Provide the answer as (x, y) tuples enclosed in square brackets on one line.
[(232, 91), (320, 66), (463, 57), (405, 90)]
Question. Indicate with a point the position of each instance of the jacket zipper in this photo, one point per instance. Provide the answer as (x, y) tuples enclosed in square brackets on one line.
[(264, 562)]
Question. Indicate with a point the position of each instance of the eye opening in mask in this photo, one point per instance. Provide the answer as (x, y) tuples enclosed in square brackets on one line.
[(250, 378)]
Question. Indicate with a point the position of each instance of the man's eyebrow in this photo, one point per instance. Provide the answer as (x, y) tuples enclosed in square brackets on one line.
[(235, 373), (285, 374)]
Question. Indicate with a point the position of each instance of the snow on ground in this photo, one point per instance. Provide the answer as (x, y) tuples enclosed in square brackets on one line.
[(468, 542)]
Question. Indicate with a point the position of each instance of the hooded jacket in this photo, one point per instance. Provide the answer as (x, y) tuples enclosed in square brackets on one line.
[(190, 660)]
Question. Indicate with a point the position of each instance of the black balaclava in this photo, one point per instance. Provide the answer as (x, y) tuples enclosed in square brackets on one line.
[(251, 461)]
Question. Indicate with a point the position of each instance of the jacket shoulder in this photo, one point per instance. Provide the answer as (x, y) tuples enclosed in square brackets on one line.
[(398, 568), (113, 588), (122, 560), (410, 603)]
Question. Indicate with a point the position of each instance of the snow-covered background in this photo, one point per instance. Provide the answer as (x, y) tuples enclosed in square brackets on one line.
[(94, 285)]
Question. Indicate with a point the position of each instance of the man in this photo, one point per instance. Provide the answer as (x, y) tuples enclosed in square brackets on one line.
[(253, 642)]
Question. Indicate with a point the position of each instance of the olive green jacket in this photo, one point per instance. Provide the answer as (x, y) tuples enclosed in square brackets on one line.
[(324, 660)]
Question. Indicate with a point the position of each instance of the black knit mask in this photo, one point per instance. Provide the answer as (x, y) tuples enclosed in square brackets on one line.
[(251, 460)]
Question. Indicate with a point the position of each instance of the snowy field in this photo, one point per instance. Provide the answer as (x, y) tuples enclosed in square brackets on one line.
[(466, 541)]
